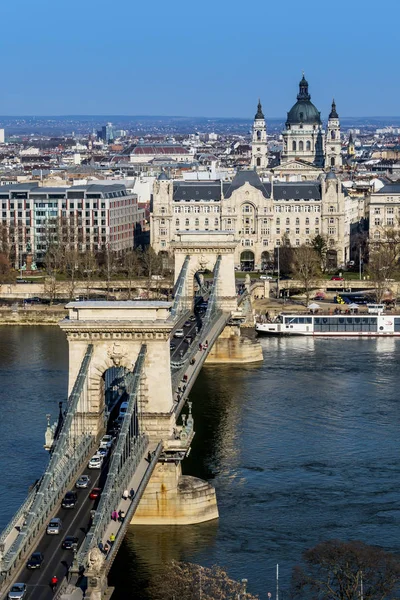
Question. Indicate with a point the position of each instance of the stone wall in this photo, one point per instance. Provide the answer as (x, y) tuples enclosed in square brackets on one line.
[(231, 347), (45, 315)]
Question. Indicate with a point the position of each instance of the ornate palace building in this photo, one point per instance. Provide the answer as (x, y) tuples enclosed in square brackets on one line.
[(266, 208)]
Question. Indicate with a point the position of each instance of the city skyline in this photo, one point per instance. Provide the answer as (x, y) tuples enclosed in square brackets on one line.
[(181, 60)]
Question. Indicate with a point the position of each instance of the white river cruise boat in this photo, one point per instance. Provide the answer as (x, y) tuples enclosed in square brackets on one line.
[(332, 325)]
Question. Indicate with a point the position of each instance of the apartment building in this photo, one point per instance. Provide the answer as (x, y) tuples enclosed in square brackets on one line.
[(92, 216)]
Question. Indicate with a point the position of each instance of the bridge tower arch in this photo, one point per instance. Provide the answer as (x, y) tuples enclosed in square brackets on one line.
[(117, 338), (199, 251)]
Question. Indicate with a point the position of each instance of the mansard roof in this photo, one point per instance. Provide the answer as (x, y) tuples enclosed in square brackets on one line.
[(391, 188), (197, 190), (246, 176), (294, 190)]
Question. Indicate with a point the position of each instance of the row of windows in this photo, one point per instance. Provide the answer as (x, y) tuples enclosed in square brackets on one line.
[(196, 209)]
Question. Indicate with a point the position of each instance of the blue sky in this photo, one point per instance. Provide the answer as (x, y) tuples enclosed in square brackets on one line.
[(208, 58)]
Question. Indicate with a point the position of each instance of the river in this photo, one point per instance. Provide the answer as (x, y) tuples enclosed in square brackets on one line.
[(301, 448)]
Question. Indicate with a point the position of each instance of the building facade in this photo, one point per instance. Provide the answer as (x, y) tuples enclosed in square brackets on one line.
[(91, 216), (307, 148), (383, 207), (263, 216)]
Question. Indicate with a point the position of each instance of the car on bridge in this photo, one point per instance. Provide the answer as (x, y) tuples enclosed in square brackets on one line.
[(172, 347), (83, 481), (106, 442), (70, 543), (95, 462), (70, 500), (102, 452), (95, 493), (54, 527), (192, 318), (17, 591), (187, 323), (179, 333), (35, 561), (188, 339)]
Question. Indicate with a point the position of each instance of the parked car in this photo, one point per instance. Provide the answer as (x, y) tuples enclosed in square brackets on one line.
[(17, 591), (95, 493), (95, 462), (106, 442), (179, 333), (337, 278), (70, 543), (54, 527), (70, 499), (35, 561), (83, 481)]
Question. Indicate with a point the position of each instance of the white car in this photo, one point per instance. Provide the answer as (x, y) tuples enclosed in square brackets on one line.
[(17, 591), (106, 442), (179, 333), (54, 527), (96, 462), (266, 277)]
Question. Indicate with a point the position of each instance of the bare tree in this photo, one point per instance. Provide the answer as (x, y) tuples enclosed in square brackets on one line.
[(108, 265), (346, 571), (188, 581), (88, 269), (152, 266), (71, 268), (383, 263), (306, 267), (7, 274), (131, 263)]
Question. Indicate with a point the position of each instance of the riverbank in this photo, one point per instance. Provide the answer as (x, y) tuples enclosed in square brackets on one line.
[(32, 315)]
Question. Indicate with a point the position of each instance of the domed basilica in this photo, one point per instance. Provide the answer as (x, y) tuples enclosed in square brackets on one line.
[(307, 148)]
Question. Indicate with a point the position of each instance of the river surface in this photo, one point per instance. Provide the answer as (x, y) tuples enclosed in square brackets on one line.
[(302, 448)]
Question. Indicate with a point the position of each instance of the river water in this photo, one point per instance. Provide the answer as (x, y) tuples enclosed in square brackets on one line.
[(301, 448)]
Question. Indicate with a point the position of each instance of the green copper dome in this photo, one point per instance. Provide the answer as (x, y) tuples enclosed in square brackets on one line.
[(304, 110)]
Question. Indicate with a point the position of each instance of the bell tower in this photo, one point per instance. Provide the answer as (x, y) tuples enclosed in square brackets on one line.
[(333, 145), (259, 148)]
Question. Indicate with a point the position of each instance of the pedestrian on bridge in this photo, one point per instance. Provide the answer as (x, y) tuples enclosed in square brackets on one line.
[(106, 548), (131, 494), (112, 538), (125, 494), (114, 515), (121, 516)]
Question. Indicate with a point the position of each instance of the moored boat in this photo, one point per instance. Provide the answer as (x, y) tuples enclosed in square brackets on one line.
[(331, 325)]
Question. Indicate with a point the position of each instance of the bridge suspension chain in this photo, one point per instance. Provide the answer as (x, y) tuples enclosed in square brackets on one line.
[(180, 288), (70, 450)]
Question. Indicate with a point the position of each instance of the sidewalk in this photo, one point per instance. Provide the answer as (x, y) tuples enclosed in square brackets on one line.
[(115, 526)]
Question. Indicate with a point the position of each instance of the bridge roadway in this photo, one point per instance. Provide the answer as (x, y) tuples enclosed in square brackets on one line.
[(76, 522)]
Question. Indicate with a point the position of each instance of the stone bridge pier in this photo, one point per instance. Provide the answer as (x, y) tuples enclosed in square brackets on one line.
[(117, 331)]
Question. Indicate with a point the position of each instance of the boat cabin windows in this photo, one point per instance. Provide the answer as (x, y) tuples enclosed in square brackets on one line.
[(346, 324), (298, 320)]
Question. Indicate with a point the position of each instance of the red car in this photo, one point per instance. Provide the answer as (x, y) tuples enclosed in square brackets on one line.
[(95, 493), (337, 278)]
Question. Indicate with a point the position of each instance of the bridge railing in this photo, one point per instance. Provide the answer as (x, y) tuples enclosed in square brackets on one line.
[(212, 306), (128, 452), (70, 450), (180, 288)]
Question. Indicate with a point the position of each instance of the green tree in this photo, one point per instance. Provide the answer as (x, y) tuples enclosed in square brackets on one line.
[(306, 268), (335, 570), (319, 244)]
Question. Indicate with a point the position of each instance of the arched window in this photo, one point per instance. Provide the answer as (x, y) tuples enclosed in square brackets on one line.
[(301, 146), (308, 146), (332, 161), (294, 146), (333, 135), (258, 162), (259, 135)]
